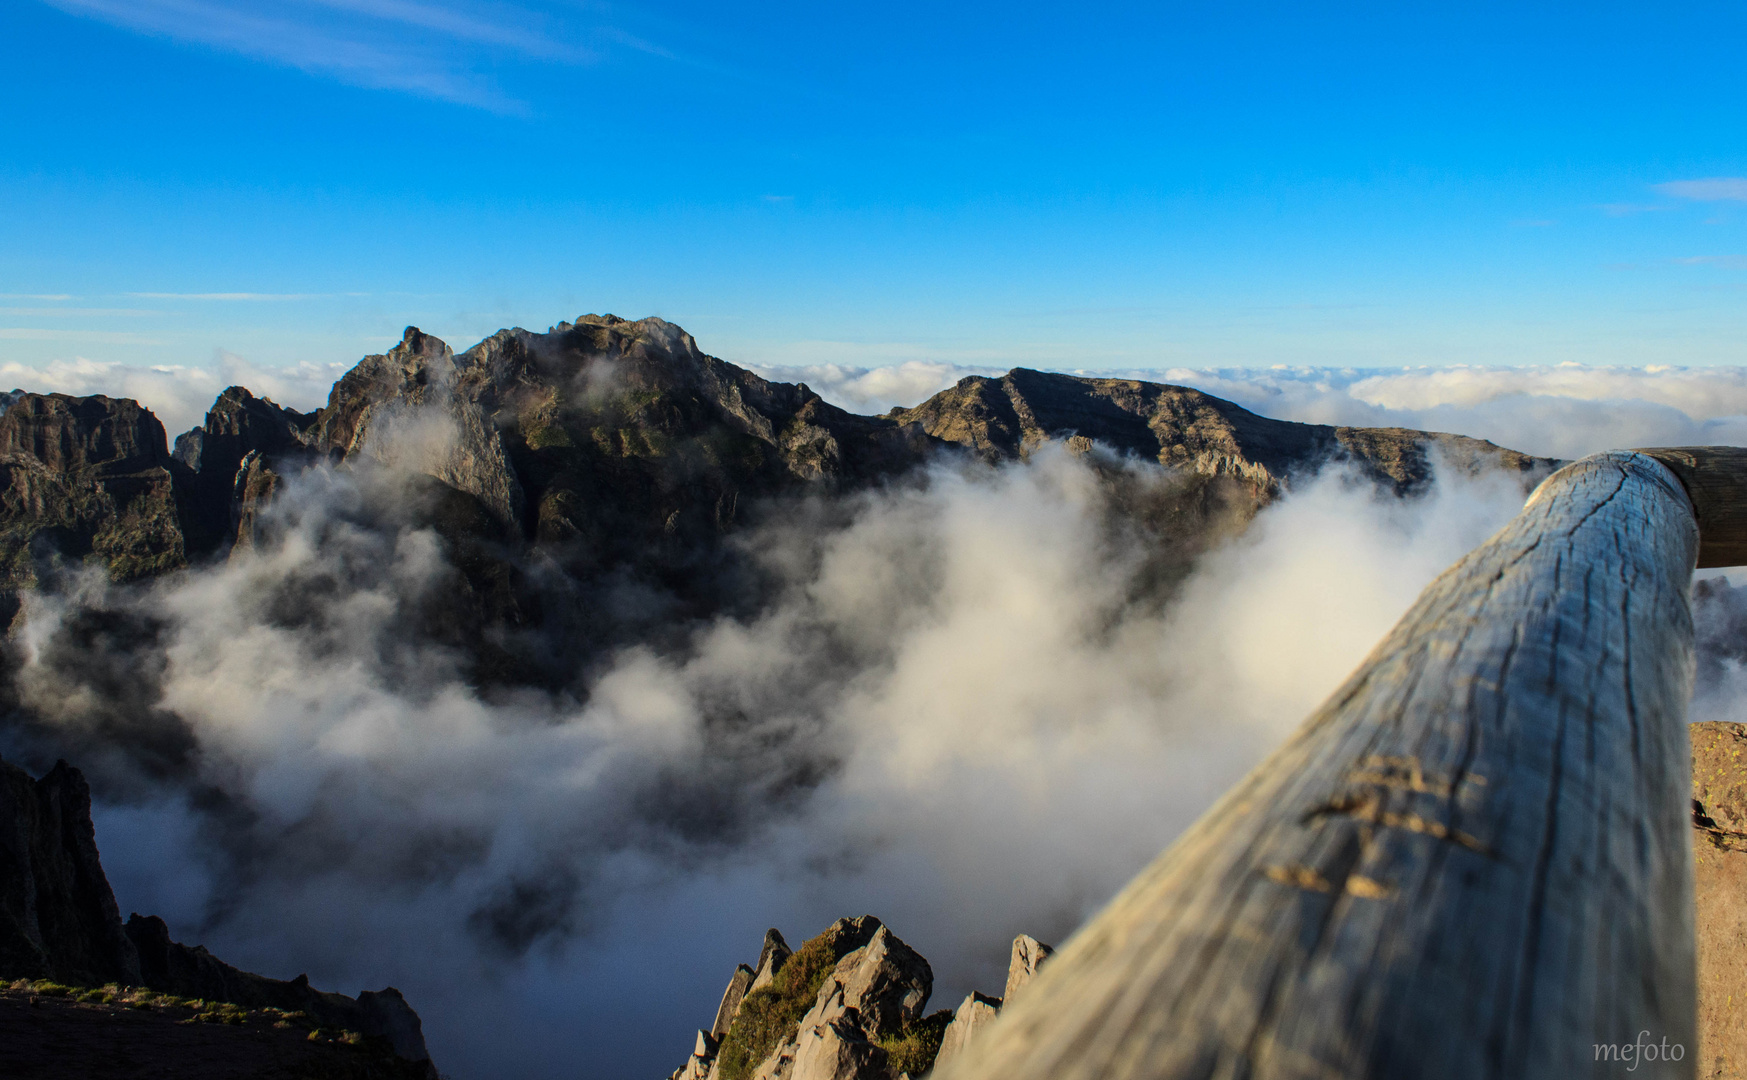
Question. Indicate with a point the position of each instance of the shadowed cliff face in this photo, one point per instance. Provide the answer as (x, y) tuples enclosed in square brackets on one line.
[(59, 920), (86, 477)]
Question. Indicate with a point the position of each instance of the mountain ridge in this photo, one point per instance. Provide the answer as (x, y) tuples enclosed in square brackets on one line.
[(542, 426)]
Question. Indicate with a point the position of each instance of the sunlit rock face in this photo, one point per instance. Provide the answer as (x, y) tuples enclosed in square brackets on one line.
[(865, 995)]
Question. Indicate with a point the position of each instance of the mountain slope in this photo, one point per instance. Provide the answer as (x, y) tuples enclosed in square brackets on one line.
[(1182, 428)]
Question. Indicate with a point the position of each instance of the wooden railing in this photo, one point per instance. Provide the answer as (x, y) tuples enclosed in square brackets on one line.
[(1474, 860)]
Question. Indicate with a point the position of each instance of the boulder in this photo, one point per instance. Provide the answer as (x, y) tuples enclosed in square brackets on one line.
[(1028, 955), (973, 1014), (885, 983), (736, 992), (837, 1050)]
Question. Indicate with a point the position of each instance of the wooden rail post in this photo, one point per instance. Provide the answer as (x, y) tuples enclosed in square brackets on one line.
[(1474, 860)]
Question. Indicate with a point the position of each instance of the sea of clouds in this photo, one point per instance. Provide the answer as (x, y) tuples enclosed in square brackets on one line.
[(1563, 411), (966, 708)]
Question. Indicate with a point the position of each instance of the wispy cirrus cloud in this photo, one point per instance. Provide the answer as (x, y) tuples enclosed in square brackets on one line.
[(1629, 209), (1726, 262), (1709, 189), (100, 337), (433, 49), (79, 312), (235, 295)]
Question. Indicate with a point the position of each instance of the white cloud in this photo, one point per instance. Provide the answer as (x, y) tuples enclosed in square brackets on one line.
[(874, 389), (1712, 189), (1008, 719), (134, 313), (178, 396), (234, 296), (1727, 262), (102, 337), (1564, 411)]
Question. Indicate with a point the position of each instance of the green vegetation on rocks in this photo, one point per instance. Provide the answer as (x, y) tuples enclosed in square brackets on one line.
[(770, 1015), (914, 1051)]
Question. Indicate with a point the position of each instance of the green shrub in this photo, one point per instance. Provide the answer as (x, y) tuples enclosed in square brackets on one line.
[(914, 1051)]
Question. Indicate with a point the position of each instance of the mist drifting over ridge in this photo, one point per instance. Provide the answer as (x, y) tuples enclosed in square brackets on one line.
[(1566, 410), (969, 700)]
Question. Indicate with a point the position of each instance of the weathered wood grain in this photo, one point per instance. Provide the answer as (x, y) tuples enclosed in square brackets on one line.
[(1715, 477), (1472, 861)]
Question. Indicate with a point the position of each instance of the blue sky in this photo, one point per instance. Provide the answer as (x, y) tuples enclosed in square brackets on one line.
[(1083, 186)]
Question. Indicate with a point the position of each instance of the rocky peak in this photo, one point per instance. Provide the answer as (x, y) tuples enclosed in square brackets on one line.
[(237, 423), (1028, 955), (847, 1005), (58, 917)]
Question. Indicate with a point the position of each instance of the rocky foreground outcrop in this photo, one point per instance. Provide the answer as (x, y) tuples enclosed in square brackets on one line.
[(59, 923), (848, 1005)]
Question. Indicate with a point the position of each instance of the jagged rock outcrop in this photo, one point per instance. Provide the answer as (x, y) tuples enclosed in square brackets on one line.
[(978, 1010), (59, 920), (771, 958), (974, 1013), (93, 478), (885, 983), (738, 986), (835, 1049), (848, 1005), (236, 461), (1028, 955)]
